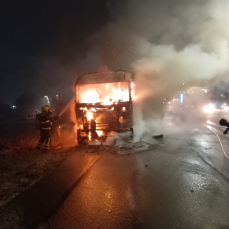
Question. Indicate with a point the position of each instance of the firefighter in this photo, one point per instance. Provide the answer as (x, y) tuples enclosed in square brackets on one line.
[(45, 123)]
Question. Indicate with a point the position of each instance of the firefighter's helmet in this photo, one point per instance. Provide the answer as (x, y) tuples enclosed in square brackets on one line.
[(46, 108)]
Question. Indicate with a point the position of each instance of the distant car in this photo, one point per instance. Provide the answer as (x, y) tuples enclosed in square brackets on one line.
[(215, 107)]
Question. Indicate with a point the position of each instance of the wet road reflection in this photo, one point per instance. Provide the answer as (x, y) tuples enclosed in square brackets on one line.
[(182, 183), (101, 198)]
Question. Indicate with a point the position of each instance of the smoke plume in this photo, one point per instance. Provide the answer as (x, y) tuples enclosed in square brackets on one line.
[(167, 44)]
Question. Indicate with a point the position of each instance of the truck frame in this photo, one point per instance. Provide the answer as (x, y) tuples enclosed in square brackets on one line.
[(103, 104)]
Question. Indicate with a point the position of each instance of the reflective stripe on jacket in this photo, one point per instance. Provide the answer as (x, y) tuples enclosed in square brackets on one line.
[(45, 121)]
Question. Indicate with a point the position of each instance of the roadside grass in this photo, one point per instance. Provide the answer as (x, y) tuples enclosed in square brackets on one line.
[(21, 165), (18, 143)]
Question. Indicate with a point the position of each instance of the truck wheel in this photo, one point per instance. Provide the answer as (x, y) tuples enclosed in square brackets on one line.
[(80, 141)]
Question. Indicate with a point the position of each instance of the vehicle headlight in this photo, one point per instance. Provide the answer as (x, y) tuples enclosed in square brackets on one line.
[(209, 108)]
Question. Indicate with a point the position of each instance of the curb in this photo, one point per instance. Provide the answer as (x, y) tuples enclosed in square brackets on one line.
[(30, 208)]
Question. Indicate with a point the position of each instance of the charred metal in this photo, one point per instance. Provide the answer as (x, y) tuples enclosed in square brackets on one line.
[(103, 104)]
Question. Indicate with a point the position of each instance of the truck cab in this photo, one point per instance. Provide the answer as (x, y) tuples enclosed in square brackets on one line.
[(103, 104)]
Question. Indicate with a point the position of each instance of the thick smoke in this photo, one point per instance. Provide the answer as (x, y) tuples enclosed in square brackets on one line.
[(167, 44)]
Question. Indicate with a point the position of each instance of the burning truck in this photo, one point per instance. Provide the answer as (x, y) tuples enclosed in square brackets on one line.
[(103, 104)]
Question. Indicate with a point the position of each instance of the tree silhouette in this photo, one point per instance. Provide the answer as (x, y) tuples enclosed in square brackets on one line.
[(26, 101), (4, 108)]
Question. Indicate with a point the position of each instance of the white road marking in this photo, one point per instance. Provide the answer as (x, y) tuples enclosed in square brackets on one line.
[(212, 123), (218, 138)]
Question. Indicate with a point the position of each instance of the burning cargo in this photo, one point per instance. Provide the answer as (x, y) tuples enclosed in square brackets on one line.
[(103, 104)]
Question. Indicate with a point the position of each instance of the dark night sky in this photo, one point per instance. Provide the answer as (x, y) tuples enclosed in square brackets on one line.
[(36, 34)]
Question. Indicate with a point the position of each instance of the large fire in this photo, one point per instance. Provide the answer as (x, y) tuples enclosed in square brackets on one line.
[(105, 93), (89, 115)]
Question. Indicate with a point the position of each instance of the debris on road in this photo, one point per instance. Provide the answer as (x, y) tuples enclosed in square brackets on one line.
[(158, 136), (130, 148)]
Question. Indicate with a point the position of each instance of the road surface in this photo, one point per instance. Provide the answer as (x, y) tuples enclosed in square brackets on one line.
[(183, 182)]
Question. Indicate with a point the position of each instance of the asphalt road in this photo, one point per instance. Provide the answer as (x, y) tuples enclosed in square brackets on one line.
[(183, 182)]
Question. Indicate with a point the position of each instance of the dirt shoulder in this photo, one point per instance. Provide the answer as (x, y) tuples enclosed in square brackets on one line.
[(21, 165)]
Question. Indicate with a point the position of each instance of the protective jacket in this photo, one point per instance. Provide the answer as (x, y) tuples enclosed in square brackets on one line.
[(44, 124), (45, 121)]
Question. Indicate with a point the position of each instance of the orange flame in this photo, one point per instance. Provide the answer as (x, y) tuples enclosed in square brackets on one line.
[(89, 116), (106, 94), (112, 94), (99, 132)]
